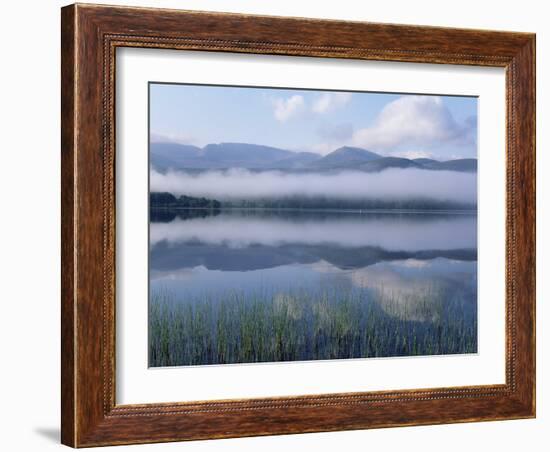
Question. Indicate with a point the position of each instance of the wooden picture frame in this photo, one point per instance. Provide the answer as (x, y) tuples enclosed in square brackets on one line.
[(90, 36)]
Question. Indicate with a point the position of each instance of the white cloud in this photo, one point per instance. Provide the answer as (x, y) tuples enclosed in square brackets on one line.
[(414, 120), (286, 108), (181, 138), (322, 148), (330, 101), (413, 155)]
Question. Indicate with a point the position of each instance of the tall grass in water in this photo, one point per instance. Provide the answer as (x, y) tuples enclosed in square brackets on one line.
[(299, 325)]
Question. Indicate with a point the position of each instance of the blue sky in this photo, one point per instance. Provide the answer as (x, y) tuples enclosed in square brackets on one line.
[(440, 127)]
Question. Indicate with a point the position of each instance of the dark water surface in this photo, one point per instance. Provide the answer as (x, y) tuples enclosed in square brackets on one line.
[(236, 286)]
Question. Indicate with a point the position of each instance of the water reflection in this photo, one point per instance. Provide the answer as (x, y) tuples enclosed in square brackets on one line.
[(392, 232), (410, 277)]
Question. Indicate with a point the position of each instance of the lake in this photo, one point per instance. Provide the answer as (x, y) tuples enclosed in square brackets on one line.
[(240, 286)]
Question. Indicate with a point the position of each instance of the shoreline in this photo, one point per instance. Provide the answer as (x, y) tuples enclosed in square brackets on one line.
[(294, 209)]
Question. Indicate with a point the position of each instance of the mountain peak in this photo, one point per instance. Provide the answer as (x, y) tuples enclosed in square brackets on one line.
[(346, 156), (351, 150)]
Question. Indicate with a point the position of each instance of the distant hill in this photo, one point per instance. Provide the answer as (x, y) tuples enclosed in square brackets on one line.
[(231, 155), (166, 156), (225, 155), (463, 165), (173, 155), (383, 163), (165, 200), (345, 157), (299, 160)]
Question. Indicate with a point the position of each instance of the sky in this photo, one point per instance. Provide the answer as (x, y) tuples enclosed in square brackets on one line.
[(402, 125)]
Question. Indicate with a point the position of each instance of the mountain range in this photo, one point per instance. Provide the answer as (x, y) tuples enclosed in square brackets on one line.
[(165, 156)]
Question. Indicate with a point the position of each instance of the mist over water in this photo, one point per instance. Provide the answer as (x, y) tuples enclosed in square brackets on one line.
[(390, 184), (393, 232)]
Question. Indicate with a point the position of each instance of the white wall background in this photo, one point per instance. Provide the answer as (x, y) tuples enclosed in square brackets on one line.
[(29, 123)]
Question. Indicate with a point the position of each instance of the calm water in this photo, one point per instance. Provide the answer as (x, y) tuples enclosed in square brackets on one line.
[(252, 286)]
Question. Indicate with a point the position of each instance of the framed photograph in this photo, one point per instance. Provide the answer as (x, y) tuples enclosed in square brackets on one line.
[(282, 225)]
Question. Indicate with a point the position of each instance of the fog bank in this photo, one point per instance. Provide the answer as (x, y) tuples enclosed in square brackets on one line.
[(398, 184), (389, 233)]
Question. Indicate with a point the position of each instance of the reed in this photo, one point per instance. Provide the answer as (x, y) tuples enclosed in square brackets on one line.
[(299, 325)]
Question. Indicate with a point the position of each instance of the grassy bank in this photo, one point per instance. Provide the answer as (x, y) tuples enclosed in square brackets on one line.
[(296, 326)]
